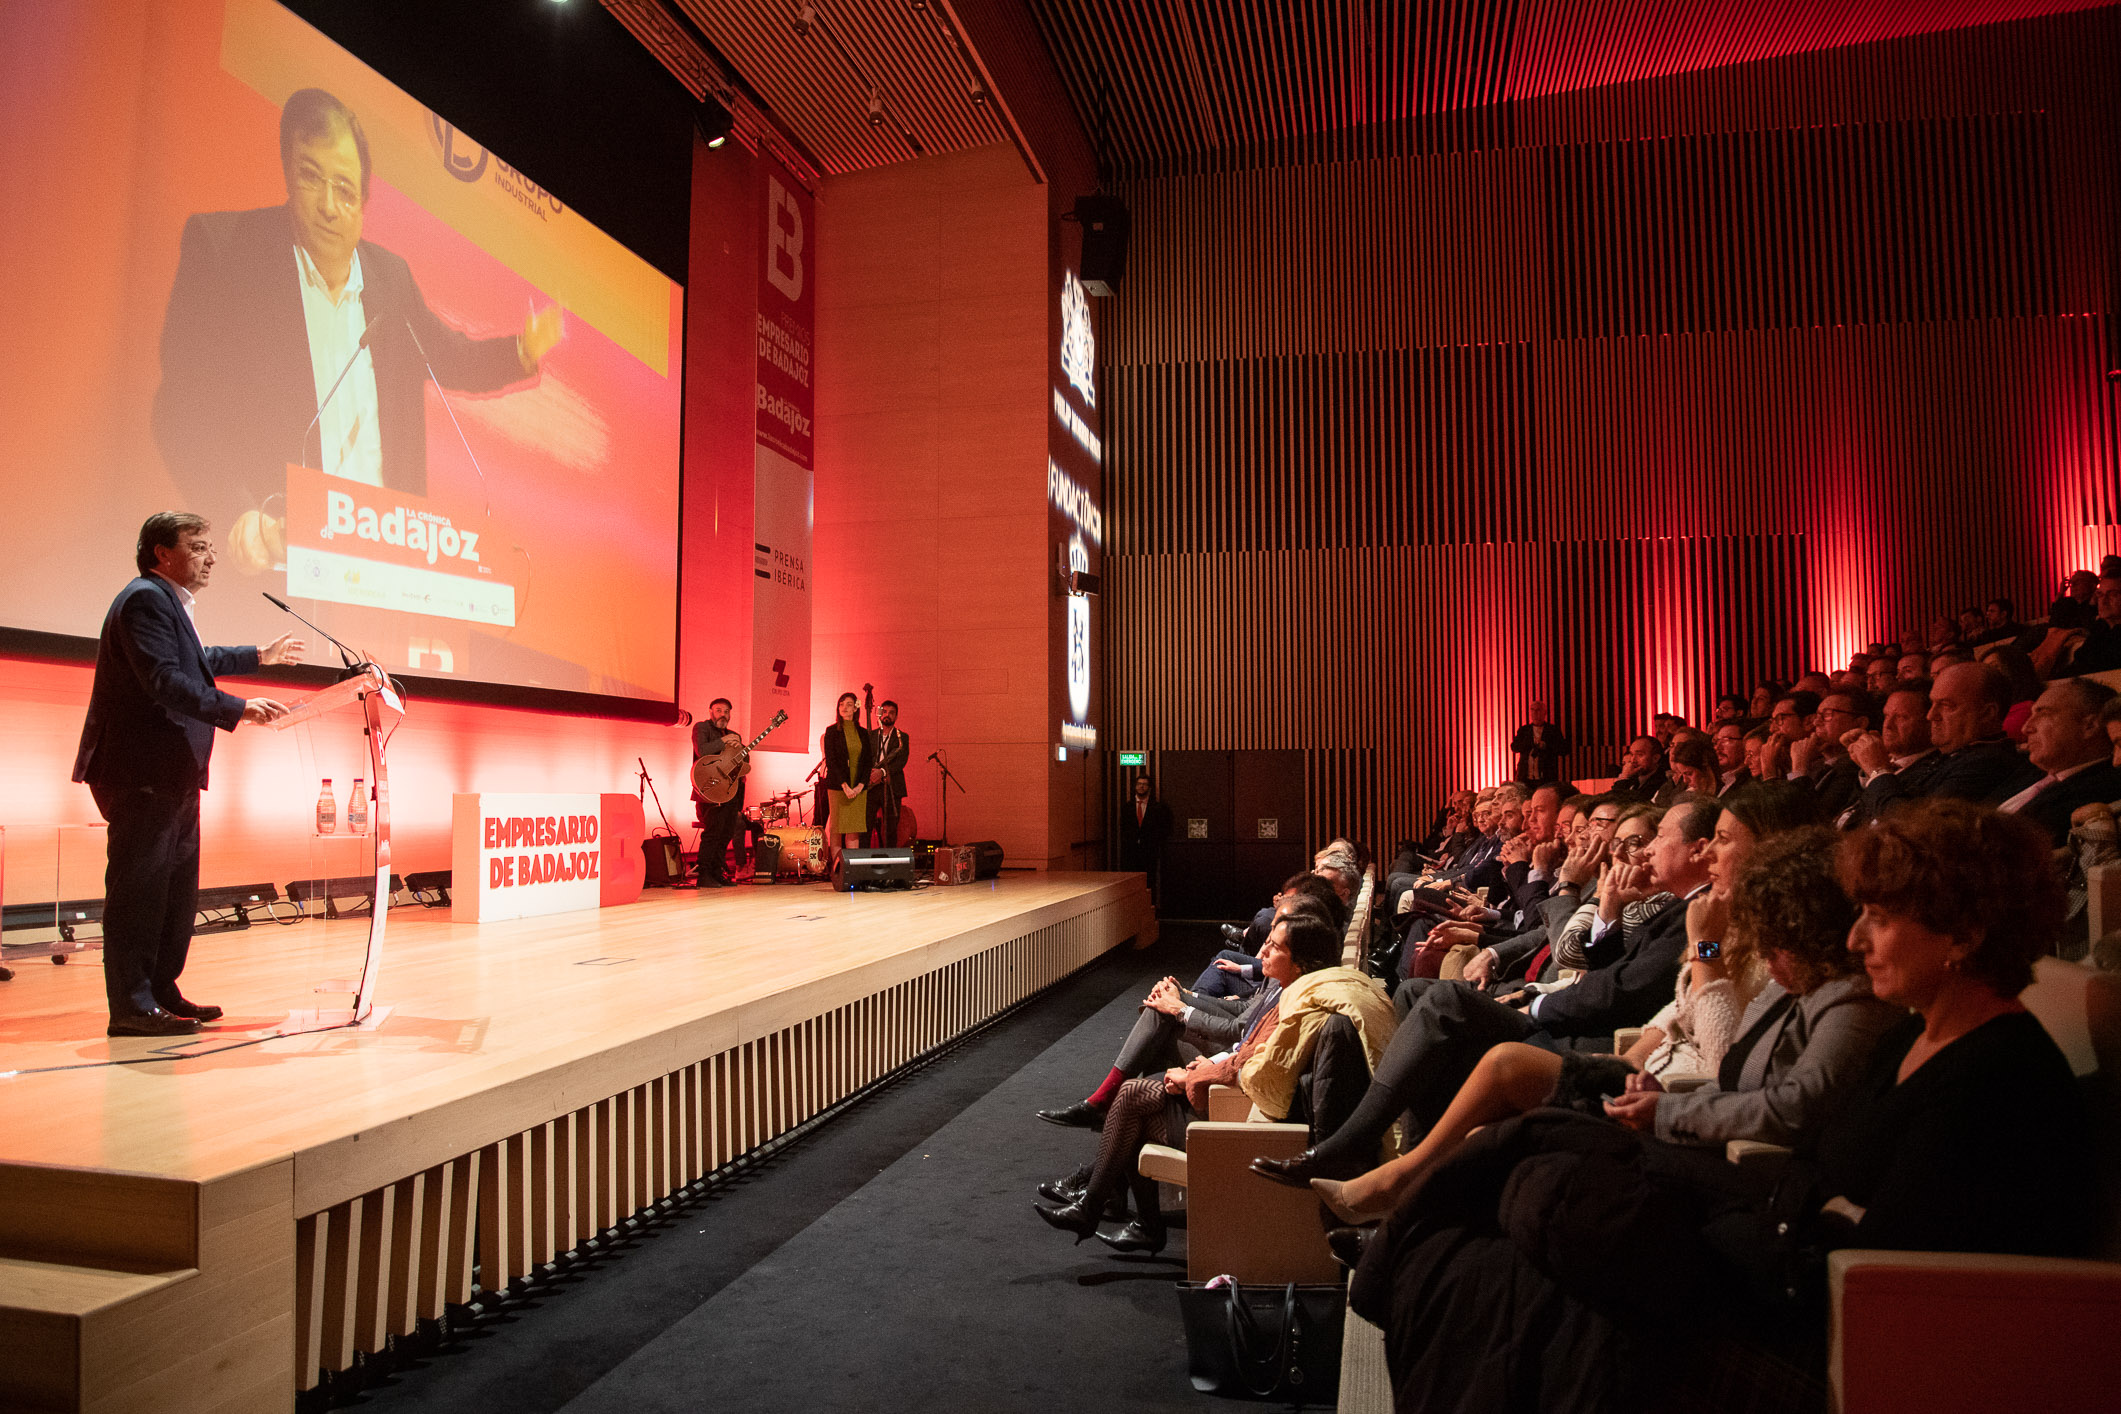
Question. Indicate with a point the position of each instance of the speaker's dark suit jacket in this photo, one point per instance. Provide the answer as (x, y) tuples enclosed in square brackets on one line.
[(154, 705), (237, 385)]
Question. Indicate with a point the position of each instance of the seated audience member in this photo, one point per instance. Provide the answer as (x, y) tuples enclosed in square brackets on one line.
[(1452, 1025), (1234, 972), (1729, 708), (1175, 1025), (1692, 764), (1666, 726), (1481, 866), (1904, 739), (1537, 748), (1729, 746), (1879, 677), (1806, 1034), (2101, 649), (1966, 726), (1913, 666), (2073, 607), (1821, 763), (1642, 772), (1558, 1263), (1451, 828), (1761, 704), (2025, 685), (2066, 739), (1302, 956), (1999, 623), (1529, 954)]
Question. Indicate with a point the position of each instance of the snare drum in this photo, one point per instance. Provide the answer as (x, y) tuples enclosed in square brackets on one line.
[(801, 848)]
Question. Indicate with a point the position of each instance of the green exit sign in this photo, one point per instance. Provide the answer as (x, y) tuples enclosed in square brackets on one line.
[(1134, 758)]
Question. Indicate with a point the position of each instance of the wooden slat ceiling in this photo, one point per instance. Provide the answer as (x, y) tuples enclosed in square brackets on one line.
[(810, 88), (1178, 78)]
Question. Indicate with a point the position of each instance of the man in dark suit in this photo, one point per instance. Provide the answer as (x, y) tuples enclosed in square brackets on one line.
[(1911, 762), (1979, 764), (271, 306), (144, 751), (1452, 1025), (1643, 775), (887, 779), (2066, 739), (1147, 824)]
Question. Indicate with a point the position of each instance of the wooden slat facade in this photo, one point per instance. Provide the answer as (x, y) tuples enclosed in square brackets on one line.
[(1619, 396)]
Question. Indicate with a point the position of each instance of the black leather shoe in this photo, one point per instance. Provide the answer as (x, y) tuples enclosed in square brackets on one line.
[(154, 1023), (1299, 1171), (178, 1006), (1233, 935), (1066, 1190), (1136, 1236), (1080, 1115), (1349, 1243), (1076, 1218)]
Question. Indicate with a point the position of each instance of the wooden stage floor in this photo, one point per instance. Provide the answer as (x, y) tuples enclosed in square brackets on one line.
[(594, 1061)]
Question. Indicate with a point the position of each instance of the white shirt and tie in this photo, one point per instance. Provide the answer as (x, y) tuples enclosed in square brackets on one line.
[(349, 429), (2025, 797)]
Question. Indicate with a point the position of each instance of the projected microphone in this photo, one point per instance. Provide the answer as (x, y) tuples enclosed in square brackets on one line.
[(449, 408), (346, 655), (325, 401)]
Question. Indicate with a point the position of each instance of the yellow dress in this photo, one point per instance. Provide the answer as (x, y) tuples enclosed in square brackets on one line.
[(851, 817)]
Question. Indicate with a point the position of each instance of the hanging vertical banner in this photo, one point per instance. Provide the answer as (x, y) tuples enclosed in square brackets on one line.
[(783, 465)]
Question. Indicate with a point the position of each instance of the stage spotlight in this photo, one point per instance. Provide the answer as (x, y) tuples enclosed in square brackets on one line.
[(805, 18), (713, 121), (980, 96), (876, 110)]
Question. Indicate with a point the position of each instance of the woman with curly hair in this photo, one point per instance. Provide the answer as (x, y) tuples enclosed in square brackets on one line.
[(1559, 1263)]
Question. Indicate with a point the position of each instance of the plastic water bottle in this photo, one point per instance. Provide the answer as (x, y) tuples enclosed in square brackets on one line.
[(327, 811), (357, 808)]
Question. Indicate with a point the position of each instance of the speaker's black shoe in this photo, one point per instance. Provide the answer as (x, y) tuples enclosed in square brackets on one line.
[(1298, 1172), (178, 1006), (1136, 1236), (154, 1023), (1066, 1190), (1080, 1115), (1079, 1217), (1349, 1243)]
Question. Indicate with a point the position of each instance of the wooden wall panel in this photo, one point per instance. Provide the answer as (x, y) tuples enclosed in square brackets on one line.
[(1636, 395)]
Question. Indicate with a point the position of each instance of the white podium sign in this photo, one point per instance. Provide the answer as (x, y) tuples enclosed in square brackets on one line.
[(521, 855)]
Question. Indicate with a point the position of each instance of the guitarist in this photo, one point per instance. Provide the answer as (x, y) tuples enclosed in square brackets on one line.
[(889, 748), (717, 822)]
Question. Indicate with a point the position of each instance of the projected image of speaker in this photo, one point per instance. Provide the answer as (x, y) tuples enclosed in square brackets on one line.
[(873, 869)]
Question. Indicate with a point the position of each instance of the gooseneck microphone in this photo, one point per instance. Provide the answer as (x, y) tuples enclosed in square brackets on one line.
[(325, 401), (346, 655)]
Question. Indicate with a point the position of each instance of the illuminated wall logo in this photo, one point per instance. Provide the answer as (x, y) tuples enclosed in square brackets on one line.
[(1078, 345), (1078, 636)]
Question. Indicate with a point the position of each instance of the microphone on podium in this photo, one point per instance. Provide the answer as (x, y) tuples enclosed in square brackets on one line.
[(351, 659)]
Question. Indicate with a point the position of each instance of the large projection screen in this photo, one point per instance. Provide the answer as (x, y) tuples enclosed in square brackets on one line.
[(353, 386)]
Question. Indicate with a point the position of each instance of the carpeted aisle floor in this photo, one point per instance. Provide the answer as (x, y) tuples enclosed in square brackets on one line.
[(891, 1258)]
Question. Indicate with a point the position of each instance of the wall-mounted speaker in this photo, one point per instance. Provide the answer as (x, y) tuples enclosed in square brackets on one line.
[(1104, 222)]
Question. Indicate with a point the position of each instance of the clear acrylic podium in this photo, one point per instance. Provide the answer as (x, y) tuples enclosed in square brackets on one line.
[(369, 690)]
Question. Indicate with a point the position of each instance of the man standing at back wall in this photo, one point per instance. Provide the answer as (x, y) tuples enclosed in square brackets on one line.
[(144, 752)]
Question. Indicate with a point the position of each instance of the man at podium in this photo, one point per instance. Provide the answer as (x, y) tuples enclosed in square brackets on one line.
[(144, 752)]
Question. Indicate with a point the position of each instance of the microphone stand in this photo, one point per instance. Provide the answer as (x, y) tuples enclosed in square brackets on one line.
[(949, 779), (649, 782)]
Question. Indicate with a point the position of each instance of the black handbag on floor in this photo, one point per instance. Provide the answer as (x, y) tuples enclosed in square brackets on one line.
[(1264, 1342)]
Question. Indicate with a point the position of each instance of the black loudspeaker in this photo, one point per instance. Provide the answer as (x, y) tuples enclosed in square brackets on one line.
[(666, 861), (1104, 221), (986, 859), (766, 858), (873, 869)]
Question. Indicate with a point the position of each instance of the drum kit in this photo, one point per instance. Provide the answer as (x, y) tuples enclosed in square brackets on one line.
[(798, 848)]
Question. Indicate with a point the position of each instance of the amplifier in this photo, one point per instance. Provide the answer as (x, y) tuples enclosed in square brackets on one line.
[(954, 865), (986, 857), (666, 861), (873, 869)]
